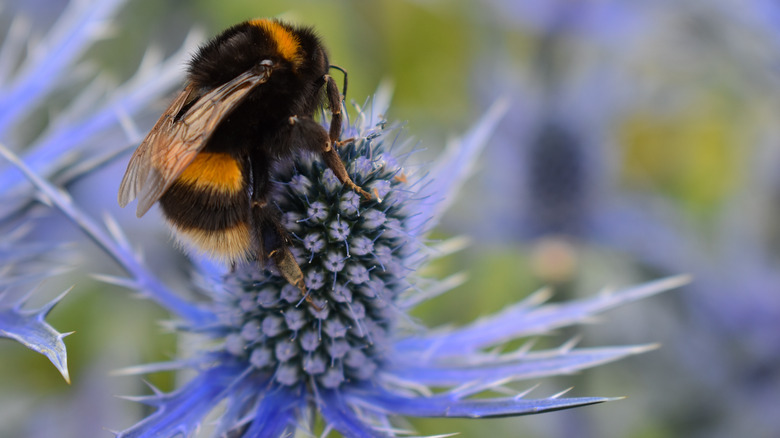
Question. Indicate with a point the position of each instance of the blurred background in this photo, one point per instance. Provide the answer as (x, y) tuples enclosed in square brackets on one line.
[(641, 141)]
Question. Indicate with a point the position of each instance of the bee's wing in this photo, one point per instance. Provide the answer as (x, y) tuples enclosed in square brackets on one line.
[(140, 168), (173, 142)]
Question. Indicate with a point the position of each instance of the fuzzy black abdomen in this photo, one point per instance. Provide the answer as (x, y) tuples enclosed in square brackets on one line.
[(207, 206)]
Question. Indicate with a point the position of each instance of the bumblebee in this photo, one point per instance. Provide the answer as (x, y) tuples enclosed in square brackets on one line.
[(249, 101)]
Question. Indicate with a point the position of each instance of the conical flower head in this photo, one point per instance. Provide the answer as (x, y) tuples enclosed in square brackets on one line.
[(353, 254)]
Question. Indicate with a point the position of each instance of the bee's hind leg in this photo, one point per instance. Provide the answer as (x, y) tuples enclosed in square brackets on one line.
[(274, 242), (275, 245)]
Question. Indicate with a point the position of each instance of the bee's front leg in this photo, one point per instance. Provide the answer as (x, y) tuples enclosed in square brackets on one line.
[(310, 135)]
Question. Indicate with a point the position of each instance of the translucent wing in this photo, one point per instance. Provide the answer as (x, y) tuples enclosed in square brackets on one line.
[(174, 141)]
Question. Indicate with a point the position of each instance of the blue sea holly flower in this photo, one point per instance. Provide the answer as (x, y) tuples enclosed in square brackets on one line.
[(270, 362), (353, 355)]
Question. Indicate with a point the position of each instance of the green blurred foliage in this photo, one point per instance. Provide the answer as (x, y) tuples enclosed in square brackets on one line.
[(695, 155)]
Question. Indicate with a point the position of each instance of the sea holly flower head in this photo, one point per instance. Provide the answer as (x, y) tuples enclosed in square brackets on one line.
[(352, 254), (353, 355)]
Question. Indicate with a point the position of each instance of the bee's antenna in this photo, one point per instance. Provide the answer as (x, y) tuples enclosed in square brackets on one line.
[(344, 88)]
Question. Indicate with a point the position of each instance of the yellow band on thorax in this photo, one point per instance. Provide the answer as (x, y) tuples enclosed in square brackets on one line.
[(286, 42)]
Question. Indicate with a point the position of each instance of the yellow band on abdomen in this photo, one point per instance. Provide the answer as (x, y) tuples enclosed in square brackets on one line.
[(214, 171)]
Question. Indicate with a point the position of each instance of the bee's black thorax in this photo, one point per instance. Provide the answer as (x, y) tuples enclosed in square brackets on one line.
[(294, 87)]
